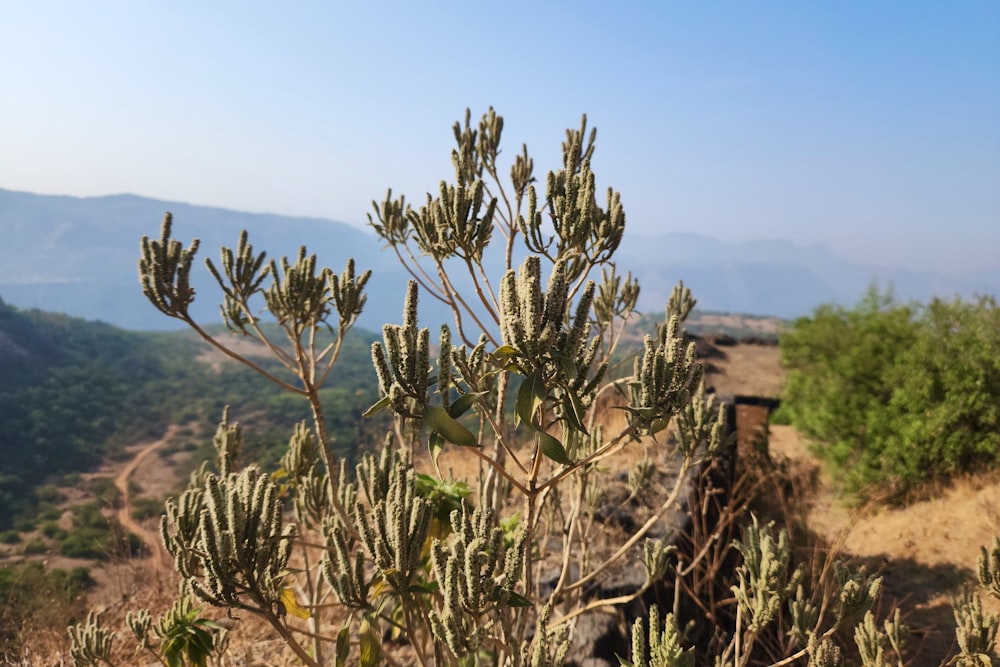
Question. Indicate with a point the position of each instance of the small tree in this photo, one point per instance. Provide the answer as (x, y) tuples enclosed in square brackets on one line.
[(495, 574), (897, 394)]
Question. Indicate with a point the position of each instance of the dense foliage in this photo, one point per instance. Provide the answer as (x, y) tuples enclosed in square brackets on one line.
[(73, 392), (897, 394), (67, 388)]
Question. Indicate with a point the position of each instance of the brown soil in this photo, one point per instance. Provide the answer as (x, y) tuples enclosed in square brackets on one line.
[(242, 345), (130, 583), (747, 370)]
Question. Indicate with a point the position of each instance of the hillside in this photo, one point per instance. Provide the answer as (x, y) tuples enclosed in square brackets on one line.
[(79, 255), (73, 393), (922, 570)]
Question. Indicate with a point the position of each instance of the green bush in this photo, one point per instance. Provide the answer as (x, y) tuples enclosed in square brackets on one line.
[(23, 524), (145, 508), (35, 545), (86, 543), (780, 417), (89, 515), (49, 493), (48, 512), (896, 395), (10, 537), (51, 529), (105, 490)]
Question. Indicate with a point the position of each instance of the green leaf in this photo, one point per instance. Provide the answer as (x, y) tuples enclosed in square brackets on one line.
[(574, 411), (517, 600), (425, 484), (566, 363), (379, 405), (505, 352), (199, 647), (658, 425), (291, 605), (505, 356), (371, 644), (438, 419), (343, 645), (530, 395), (553, 449), (207, 623), (428, 588), (171, 651), (462, 404)]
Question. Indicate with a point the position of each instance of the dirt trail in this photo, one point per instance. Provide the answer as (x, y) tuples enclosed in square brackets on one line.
[(150, 537)]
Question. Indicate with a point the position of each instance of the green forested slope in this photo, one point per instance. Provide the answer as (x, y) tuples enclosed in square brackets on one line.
[(73, 392)]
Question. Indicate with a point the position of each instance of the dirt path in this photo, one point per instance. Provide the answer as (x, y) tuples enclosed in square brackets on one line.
[(150, 537)]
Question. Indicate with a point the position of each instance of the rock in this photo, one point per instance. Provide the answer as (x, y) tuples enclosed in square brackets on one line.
[(617, 516), (597, 639)]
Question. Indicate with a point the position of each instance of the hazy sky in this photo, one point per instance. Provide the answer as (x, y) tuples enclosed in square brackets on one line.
[(872, 126)]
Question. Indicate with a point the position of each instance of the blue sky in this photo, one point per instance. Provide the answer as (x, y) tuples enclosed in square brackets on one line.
[(871, 126)]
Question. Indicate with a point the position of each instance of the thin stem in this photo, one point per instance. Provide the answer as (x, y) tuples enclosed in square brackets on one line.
[(604, 450), (278, 353), (738, 635), (157, 656), (502, 442), (286, 635), (411, 632), (311, 595), (639, 534), (457, 301), (801, 652), (240, 358), (419, 274), (607, 602), (492, 306), (568, 532), (312, 635), (333, 349), (506, 475)]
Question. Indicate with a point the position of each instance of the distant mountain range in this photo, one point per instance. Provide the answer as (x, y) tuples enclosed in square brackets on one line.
[(777, 277), (79, 256)]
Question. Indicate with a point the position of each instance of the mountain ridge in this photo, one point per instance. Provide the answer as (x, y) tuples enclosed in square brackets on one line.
[(78, 255)]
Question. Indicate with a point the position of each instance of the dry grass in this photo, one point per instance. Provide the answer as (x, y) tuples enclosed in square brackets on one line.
[(926, 550)]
